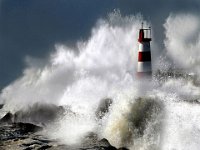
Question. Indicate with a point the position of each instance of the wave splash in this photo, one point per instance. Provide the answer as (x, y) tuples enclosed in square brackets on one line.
[(135, 113)]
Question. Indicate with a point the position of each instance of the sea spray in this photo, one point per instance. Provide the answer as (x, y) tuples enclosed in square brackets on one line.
[(183, 40), (104, 67), (134, 119), (180, 125)]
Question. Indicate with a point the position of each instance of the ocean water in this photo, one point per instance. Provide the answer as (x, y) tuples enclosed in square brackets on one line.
[(158, 113)]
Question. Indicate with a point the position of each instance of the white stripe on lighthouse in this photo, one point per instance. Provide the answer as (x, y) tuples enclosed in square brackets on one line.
[(144, 46), (144, 66)]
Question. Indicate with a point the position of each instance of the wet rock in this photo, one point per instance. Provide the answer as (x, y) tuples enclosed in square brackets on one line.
[(42, 140), (27, 127), (105, 145), (32, 141), (28, 148), (142, 112), (36, 145), (30, 144), (104, 142), (17, 131), (39, 114), (92, 142), (44, 147), (8, 118), (1, 106), (123, 148), (21, 136), (191, 101), (103, 107), (25, 136)]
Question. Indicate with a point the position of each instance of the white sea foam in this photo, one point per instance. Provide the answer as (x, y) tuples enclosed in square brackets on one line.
[(105, 66)]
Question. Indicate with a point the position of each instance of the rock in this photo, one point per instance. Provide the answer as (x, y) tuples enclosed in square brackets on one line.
[(24, 136), (1, 106), (25, 128), (17, 131), (39, 114), (123, 148), (8, 118), (44, 147), (91, 142), (143, 114), (142, 111), (42, 140), (20, 136), (104, 144), (30, 144), (28, 148), (103, 107)]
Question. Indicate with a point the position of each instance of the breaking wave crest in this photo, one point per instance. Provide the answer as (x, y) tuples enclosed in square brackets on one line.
[(96, 85)]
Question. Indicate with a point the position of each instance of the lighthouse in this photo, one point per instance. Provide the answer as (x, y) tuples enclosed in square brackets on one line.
[(144, 68)]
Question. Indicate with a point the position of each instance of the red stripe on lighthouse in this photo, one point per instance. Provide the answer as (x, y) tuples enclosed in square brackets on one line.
[(141, 35), (144, 56)]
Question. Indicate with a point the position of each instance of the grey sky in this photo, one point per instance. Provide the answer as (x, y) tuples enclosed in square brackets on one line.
[(32, 27)]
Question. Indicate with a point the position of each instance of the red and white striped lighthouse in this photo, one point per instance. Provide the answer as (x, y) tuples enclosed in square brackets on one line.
[(144, 53)]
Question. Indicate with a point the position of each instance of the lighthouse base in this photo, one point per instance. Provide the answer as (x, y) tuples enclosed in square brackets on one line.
[(144, 74)]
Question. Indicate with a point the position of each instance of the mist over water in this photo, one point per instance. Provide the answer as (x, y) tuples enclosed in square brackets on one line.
[(105, 67), (183, 40)]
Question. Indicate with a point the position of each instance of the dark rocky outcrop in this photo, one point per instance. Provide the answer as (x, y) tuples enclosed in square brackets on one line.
[(17, 131), (21, 131), (39, 114), (27, 127), (92, 142), (24, 136), (142, 112), (103, 107), (104, 144), (123, 148), (1, 106), (8, 118)]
